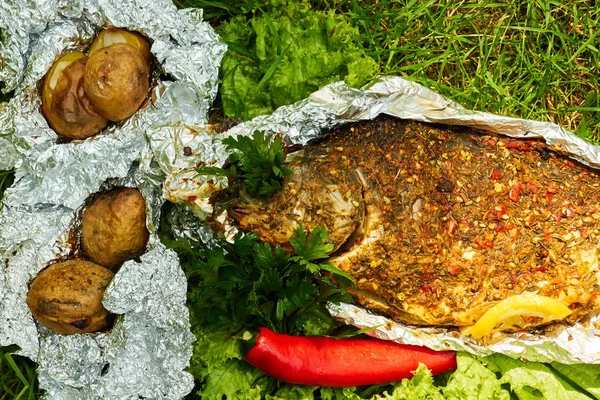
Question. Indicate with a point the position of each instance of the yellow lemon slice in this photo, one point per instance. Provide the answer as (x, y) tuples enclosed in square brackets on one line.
[(508, 311)]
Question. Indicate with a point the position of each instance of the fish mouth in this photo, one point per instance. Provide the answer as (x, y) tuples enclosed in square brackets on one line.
[(239, 212)]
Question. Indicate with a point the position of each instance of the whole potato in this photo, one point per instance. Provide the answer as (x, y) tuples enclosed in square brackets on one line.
[(65, 104), (114, 228), (67, 297), (116, 80)]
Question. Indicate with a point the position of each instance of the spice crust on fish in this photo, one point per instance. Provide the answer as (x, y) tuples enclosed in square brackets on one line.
[(438, 224)]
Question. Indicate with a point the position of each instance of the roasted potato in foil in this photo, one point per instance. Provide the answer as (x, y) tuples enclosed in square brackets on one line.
[(114, 229), (65, 104), (67, 297), (117, 80)]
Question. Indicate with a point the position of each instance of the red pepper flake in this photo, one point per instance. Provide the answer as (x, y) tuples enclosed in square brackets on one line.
[(448, 165), (570, 213), (491, 142), (500, 227), (517, 145), (480, 243), (557, 217), (426, 288), (515, 192), (451, 224), (192, 198), (454, 269), (495, 176), (549, 196), (543, 268), (532, 187)]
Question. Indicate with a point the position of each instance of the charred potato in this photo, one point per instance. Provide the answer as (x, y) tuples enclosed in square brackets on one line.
[(65, 104), (114, 228), (67, 297), (116, 80), (111, 36)]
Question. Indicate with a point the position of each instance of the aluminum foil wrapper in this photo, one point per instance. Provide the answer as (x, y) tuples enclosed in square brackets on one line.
[(144, 355), (338, 104)]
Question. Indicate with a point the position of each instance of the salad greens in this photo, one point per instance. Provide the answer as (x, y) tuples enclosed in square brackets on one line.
[(284, 54)]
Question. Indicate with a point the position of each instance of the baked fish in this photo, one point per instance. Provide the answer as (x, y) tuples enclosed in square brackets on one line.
[(438, 224)]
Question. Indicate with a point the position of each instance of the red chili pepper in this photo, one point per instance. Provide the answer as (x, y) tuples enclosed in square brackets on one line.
[(323, 361), (496, 175)]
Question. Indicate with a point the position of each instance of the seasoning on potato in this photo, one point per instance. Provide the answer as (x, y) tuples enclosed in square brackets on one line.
[(114, 228), (67, 297), (65, 104), (117, 80)]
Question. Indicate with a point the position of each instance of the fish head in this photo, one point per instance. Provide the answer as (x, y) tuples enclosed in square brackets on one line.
[(309, 198)]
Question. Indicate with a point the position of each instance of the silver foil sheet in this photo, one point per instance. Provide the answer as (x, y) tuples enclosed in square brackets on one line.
[(144, 355), (338, 104)]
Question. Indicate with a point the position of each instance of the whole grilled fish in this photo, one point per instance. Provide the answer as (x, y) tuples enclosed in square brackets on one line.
[(438, 224)]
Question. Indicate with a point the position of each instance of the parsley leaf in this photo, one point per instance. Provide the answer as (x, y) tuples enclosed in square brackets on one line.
[(260, 161), (313, 248), (241, 285)]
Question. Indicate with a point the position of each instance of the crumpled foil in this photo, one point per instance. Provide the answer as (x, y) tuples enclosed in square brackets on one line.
[(338, 104), (144, 355)]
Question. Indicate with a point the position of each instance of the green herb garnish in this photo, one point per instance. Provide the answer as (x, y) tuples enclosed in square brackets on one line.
[(257, 161), (245, 284)]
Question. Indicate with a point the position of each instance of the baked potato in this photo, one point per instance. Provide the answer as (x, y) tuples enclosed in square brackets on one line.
[(113, 228), (117, 80), (67, 297), (65, 104)]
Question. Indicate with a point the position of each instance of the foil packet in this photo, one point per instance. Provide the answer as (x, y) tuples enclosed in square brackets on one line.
[(145, 353), (338, 104)]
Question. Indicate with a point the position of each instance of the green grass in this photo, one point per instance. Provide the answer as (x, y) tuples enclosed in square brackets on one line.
[(527, 59), (18, 377), (6, 179)]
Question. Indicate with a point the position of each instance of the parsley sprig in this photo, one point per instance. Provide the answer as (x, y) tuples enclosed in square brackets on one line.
[(260, 161), (242, 285)]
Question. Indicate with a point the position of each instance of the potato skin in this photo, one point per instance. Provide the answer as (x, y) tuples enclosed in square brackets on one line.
[(67, 107), (116, 80), (67, 297), (114, 228)]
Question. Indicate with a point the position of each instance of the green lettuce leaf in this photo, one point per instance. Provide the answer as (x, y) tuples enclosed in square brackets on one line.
[(531, 380), (473, 381), (285, 54), (233, 380), (587, 376), (420, 387)]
